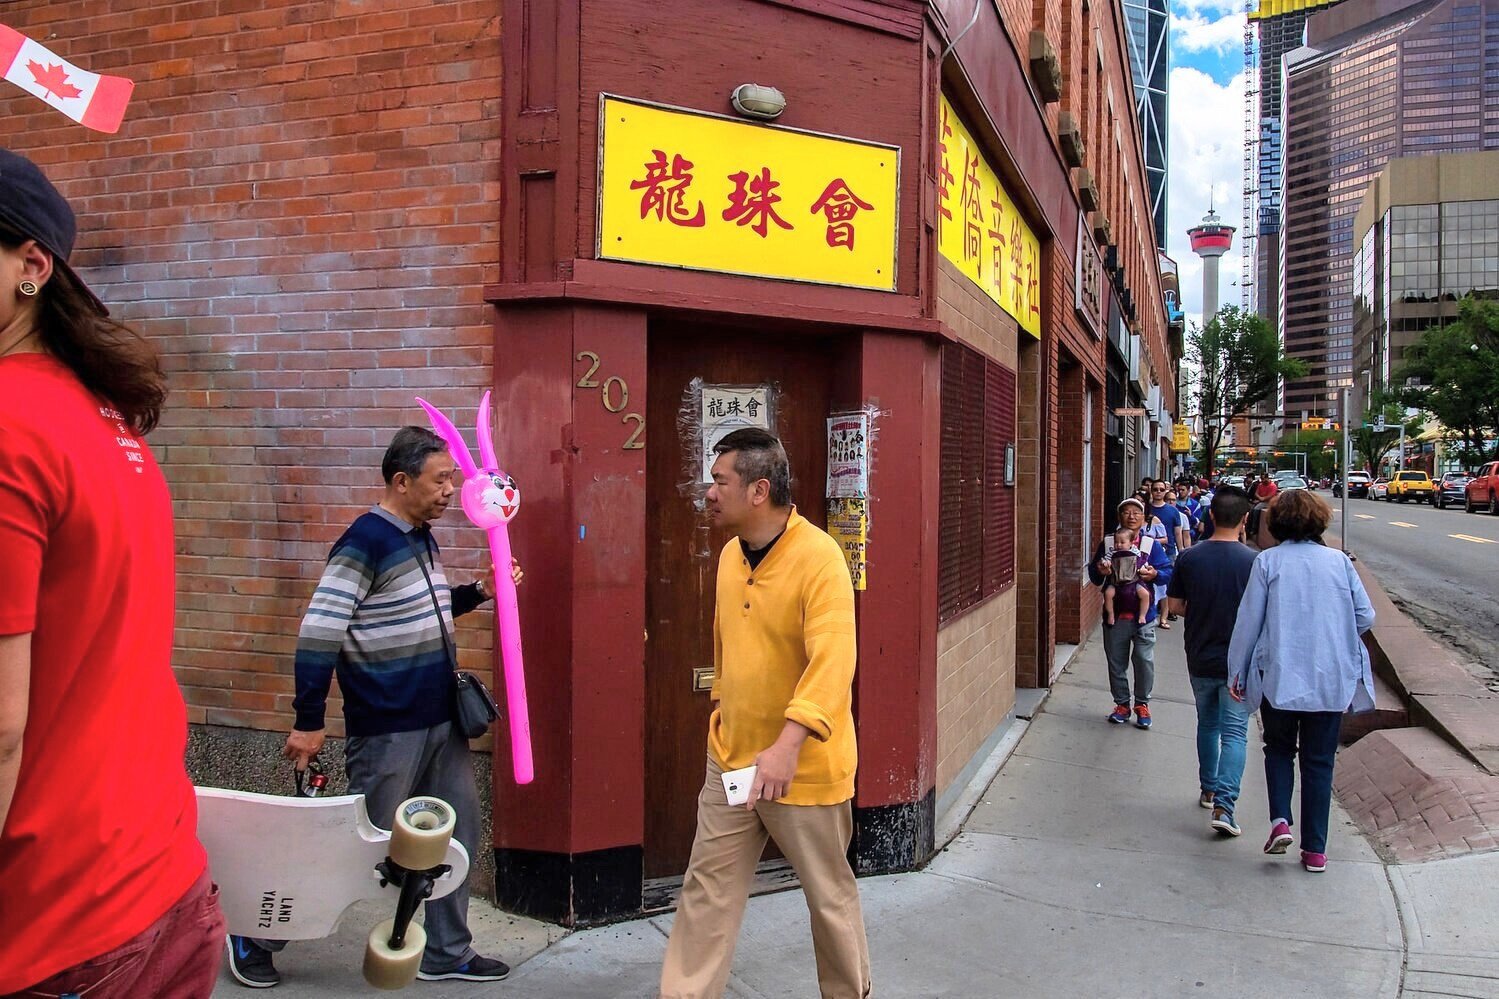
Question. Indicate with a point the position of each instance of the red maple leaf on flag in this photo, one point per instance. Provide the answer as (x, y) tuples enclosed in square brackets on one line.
[(52, 79)]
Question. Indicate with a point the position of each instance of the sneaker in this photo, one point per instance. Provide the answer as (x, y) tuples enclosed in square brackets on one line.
[(1223, 821), (478, 969), (1142, 716), (1314, 862), (1280, 837), (250, 963), (1120, 714), (1205, 799)]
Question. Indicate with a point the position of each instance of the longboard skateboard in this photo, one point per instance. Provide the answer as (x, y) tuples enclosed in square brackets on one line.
[(288, 868)]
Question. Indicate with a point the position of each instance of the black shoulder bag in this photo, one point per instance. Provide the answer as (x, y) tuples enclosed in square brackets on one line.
[(474, 709)]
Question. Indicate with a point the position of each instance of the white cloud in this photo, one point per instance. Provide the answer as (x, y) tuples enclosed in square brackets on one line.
[(1193, 32), (1206, 166), (1208, 6)]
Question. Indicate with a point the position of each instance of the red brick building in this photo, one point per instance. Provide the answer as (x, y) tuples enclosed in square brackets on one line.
[(319, 210)]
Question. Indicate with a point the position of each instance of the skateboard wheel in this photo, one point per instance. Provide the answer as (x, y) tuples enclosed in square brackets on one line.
[(423, 828), (388, 968)]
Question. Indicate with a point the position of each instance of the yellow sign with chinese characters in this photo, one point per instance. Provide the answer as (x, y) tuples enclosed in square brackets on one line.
[(980, 231), (1181, 437), (689, 189)]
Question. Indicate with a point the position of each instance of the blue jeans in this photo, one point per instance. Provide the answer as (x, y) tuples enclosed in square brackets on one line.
[(1222, 731), (1312, 735)]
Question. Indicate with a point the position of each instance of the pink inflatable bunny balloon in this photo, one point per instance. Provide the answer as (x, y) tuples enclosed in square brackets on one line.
[(491, 500)]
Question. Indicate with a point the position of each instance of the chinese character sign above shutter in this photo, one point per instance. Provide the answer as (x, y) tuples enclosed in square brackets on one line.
[(979, 229), (689, 189)]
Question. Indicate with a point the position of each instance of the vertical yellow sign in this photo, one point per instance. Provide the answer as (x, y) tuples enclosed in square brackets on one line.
[(1181, 437), (689, 189), (979, 229)]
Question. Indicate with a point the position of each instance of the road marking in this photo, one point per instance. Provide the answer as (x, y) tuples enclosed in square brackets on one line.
[(1400, 523), (1366, 516), (1476, 541)]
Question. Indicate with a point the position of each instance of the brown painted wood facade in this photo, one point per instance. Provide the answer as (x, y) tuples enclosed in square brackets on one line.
[(618, 602)]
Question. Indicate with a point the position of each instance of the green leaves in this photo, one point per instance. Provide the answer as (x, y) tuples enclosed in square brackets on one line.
[(1457, 370)]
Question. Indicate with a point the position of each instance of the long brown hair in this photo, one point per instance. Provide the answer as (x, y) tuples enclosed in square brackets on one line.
[(112, 361)]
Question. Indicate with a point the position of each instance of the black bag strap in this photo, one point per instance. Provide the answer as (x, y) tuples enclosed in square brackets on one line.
[(447, 643)]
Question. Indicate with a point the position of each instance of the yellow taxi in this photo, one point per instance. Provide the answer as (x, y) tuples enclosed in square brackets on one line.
[(1407, 486)]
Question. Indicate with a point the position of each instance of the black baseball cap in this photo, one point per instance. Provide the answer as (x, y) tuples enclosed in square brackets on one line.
[(33, 208)]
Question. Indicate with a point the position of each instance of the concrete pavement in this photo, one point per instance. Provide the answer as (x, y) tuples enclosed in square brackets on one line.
[(1086, 869)]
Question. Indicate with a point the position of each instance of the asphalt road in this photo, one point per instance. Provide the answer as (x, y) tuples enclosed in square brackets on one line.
[(1440, 566)]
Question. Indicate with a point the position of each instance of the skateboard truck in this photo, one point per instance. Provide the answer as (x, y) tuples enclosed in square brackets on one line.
[(416, 887)]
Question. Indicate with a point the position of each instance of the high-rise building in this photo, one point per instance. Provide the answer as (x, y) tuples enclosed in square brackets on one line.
[(1426, 236), (1376, 79), (1149, 55), (1280, 26)]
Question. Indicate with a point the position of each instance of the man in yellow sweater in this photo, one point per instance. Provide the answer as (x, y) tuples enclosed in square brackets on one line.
[(783, 668)]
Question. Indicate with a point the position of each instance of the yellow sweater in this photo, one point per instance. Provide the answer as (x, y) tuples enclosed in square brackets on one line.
[(784, 648)]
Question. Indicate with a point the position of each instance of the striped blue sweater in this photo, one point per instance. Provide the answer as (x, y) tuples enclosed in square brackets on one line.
[(372, 620)]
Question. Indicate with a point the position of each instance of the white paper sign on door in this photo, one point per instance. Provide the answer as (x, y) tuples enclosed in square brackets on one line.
[(727, 408)]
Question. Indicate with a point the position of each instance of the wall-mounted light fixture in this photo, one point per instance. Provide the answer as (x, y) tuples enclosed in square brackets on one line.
[(755, 101)]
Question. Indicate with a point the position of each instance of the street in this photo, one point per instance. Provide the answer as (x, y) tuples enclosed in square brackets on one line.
[(1441, 566)]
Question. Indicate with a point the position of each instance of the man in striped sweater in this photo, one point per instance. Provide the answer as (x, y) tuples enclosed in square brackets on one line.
[(374, 620)]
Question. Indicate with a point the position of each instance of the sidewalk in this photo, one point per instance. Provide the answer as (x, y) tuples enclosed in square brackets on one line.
[(1087, 869)]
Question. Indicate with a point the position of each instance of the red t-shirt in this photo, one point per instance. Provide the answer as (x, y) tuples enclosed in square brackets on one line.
[(101, 839), (1266, 490)]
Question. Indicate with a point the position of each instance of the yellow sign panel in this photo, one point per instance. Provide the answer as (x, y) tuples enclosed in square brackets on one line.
[(689, 189), (980, 231), (848, 524), (1181, 437)]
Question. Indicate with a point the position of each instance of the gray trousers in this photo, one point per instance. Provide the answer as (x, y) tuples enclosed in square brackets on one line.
[(388, 769), (1117, 642)]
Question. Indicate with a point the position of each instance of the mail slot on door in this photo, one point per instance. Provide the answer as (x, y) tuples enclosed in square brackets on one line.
[(702, 678)]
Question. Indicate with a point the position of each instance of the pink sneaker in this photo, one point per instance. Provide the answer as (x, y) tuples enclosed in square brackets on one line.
[(1280, 837), (1314, 862)]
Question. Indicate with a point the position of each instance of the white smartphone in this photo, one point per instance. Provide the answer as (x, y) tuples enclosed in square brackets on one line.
[(737, 784)]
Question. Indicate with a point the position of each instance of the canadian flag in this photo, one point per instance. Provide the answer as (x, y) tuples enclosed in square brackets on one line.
[(94, 101)]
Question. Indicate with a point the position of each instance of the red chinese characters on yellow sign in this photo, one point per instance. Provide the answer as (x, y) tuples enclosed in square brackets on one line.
[(690, 189), (979, 228)]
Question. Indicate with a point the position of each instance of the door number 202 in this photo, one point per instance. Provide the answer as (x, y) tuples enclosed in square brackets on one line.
[(615, 395)]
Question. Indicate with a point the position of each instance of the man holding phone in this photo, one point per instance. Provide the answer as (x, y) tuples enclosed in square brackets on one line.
[(784, 651)]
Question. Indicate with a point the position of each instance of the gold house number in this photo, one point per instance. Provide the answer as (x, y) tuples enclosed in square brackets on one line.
[(614, 393)]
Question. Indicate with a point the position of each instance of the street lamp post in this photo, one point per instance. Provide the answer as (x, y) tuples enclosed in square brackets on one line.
[(1347, 464)]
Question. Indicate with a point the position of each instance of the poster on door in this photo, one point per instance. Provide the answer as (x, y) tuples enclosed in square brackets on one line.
[(848, 456), (848, 524), (727, 408)]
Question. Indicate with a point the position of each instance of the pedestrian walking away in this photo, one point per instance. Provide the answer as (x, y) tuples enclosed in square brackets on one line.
[(1207, 584), (374, 619), (783, 669), (1130, 643), (1296, 656), (104, 888)]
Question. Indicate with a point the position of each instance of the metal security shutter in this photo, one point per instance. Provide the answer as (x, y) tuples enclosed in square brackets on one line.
[(999, 499)]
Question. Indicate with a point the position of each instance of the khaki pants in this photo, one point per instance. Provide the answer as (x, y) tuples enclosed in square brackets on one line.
[(727, 847)]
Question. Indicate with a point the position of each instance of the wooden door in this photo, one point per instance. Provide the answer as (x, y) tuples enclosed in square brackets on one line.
[(682, 549)]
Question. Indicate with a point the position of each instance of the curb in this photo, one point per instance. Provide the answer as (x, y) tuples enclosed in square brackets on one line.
[(1441, 694)]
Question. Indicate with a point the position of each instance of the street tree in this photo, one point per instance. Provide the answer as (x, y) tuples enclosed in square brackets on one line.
[(1321, 459), (1240, 364), (1452, 372), (1371, 445)]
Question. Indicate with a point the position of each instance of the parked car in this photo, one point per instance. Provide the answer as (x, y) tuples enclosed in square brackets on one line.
[(1378, 489), (1483, 490), (1408, 485), (1286, 482), (1452, 489), (1358, 485)]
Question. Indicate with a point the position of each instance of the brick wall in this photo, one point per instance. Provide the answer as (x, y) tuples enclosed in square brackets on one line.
[(300, 211), (975, 682)]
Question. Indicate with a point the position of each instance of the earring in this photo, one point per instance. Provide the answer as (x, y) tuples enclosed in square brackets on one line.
[(28, 288)]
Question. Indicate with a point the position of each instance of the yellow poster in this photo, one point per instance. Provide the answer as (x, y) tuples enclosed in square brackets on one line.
[(848, 524), (979, 229), (1181, 437), (689, 189)]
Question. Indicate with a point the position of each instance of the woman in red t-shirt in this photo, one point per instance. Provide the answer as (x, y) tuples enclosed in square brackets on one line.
[(106, 889)]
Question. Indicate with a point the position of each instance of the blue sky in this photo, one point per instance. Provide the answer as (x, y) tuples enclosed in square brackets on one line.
[(1206, 136)]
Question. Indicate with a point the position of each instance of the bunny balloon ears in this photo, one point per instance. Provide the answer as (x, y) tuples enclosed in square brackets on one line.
[(489, 497)]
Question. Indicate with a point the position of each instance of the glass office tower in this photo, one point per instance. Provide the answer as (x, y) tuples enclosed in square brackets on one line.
[(1149, 53)]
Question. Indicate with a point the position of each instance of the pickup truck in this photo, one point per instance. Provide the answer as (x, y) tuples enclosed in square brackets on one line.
[(1406, 486), (1483, 490)]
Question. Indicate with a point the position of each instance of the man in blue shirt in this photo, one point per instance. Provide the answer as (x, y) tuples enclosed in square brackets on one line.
[(1206, 586), (1131, 642)]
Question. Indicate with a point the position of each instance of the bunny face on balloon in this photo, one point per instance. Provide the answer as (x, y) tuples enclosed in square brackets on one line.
[(490, 498)]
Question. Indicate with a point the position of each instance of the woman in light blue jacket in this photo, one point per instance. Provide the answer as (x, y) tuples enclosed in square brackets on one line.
[(1296, 656)]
